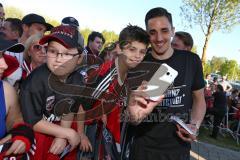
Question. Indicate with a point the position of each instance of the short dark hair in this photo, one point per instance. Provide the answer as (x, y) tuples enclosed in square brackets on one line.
[(1, 5), (220, 87), (215, 79), (185, 37), (16, 25), (235, 91), (158, 12), (93, 35), (133, 33)]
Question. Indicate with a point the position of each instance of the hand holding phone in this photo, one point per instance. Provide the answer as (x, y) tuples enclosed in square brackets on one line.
[(177, 120), (160, 81)]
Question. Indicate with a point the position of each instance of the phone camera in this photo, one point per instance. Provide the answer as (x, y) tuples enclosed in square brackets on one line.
[(168, 73)]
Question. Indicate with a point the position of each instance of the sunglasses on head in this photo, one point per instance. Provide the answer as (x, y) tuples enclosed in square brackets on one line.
[(110, 46), (38, 47)]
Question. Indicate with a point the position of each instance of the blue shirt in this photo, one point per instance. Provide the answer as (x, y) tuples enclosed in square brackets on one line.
[(2, 112)]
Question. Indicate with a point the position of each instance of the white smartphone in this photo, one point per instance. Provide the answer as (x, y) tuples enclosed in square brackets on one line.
[(160, 81), (177, 120)]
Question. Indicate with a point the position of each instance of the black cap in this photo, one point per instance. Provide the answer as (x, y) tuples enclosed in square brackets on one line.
[(68, 36), (34, 18), (70, 21), (11, 46)]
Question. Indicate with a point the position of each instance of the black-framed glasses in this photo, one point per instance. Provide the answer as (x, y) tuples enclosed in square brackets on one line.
[(53, 53)]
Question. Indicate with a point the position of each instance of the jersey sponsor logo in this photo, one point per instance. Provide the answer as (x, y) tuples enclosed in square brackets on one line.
[(51, 118), (50, 103)]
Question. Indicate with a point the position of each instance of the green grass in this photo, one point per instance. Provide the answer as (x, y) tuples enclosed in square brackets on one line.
[(226, 142)]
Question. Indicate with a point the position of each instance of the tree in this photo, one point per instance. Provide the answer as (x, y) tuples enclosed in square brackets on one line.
[(237, 73), (13, 12), (211, 15), (207, 68), (110, 36), (194, 49), (216, 63), (52, 21), (229, 68), (85, 33)]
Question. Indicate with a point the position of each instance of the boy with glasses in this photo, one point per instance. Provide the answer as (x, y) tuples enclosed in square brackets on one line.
[(40, 102)]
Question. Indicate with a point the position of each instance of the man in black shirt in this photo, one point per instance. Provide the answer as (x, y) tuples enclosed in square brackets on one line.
[(162, 139)]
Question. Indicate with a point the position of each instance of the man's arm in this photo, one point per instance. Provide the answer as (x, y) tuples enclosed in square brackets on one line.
[(197, 115), (198, 108), (229, 87)]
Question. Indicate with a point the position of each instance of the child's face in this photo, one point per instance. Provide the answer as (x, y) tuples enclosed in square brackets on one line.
[(133, 53), (3, 65), (60, 60)]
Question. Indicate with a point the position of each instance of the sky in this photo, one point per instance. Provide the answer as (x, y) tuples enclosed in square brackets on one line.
[(114, 15)]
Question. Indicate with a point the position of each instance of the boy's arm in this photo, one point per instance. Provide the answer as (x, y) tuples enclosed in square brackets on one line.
[(14, 115), (15, 124), (80, 124), (55, 130), (66, 120), (59, 144), (85, 144), (58, 131)]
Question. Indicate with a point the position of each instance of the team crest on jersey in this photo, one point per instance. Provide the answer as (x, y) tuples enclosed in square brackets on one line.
[(50, 103)]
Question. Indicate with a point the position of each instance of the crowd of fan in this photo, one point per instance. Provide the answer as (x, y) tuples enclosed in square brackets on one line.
[(27, 55), (223, 101)]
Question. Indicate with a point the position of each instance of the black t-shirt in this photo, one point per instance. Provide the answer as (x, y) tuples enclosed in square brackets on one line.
[(220, 101), (43, 96), (156, 133)]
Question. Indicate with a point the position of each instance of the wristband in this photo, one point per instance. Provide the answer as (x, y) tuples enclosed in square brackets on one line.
[(23, 132)]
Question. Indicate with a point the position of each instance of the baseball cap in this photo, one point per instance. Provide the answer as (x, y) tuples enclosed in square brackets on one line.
[(70, 21), (68, 36), (35, 18), (14, 71), (11, 46)]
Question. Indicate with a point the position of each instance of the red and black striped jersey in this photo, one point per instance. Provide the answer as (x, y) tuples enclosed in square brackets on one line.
[(108, 94)]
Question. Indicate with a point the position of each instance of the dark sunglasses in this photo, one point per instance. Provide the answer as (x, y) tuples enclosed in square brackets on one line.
[(110, 46)]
